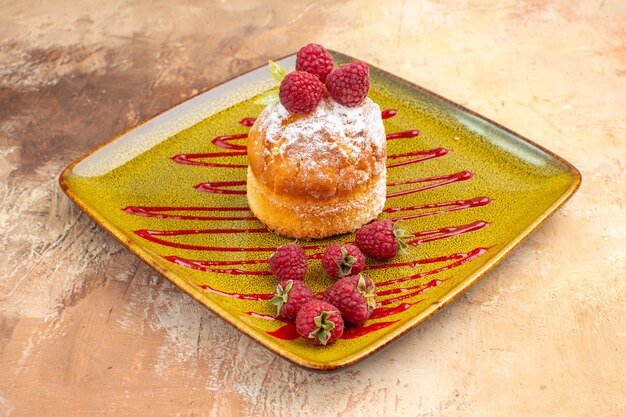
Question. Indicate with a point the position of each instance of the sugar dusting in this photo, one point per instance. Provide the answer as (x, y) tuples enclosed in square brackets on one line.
[(353, 130), (331, 151)]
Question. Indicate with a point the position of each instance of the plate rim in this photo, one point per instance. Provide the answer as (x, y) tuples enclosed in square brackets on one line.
[(411, 323)]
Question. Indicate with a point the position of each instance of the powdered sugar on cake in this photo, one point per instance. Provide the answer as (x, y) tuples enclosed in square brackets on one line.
[(340, 147), (351, 130)]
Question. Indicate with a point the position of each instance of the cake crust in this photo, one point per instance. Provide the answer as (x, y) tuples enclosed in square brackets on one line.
[(317, 174), (329, 152), (304, 218)]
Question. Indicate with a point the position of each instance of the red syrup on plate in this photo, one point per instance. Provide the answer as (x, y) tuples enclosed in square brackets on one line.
[(248, 121), (162, 213), (418, 289), (265, 316), (410, 291), (249, 297), (193, 159), (206, 265), (403, 135), (470, 256), (358, 331), (399, 295), (448, 206), (218, 187), (196, 158), (381, 312), (389, 113), (426, 155), (437, 181), (155, 236), (288, 331), (224, 143)]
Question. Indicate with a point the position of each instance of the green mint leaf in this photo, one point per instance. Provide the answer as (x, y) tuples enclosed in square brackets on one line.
[(269, 97), (277, 71)]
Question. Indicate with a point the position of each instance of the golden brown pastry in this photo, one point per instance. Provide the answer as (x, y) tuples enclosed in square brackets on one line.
[(318, 174)]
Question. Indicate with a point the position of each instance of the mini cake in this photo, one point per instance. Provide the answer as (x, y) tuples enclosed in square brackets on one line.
[(317, 157), (318, 174)]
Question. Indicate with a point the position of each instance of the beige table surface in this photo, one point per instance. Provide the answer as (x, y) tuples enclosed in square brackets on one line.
[(86, 329)]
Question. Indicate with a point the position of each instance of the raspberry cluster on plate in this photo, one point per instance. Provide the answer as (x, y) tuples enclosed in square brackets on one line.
[(350, 299), (301, 90)]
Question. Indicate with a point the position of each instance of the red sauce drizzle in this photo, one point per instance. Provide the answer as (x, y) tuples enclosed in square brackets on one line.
[(389, 113), (192, 159), (199, 264), (438, 181), (403, 290), (445, 232), (235, 271), (248, 121), (260, 316), (421, 289), (288, 332), (414, 263), (403, 135), (161, 212), (429, 154), (424, 236), (469, 257), (154, 236), (215, 187), (354, 332), (390, 311), (204, 266), (452, 206), (223, 142), (250, 297)]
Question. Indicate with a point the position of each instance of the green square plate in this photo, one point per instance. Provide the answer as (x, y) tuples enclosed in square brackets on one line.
[(172, 190)]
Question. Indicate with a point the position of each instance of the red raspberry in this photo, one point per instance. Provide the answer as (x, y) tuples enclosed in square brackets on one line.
[(319, 322), (316, 60), (354, 296), (343, 260), (380, 239), (290, 296), (300, 92), (288, 262), (349, 83)]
